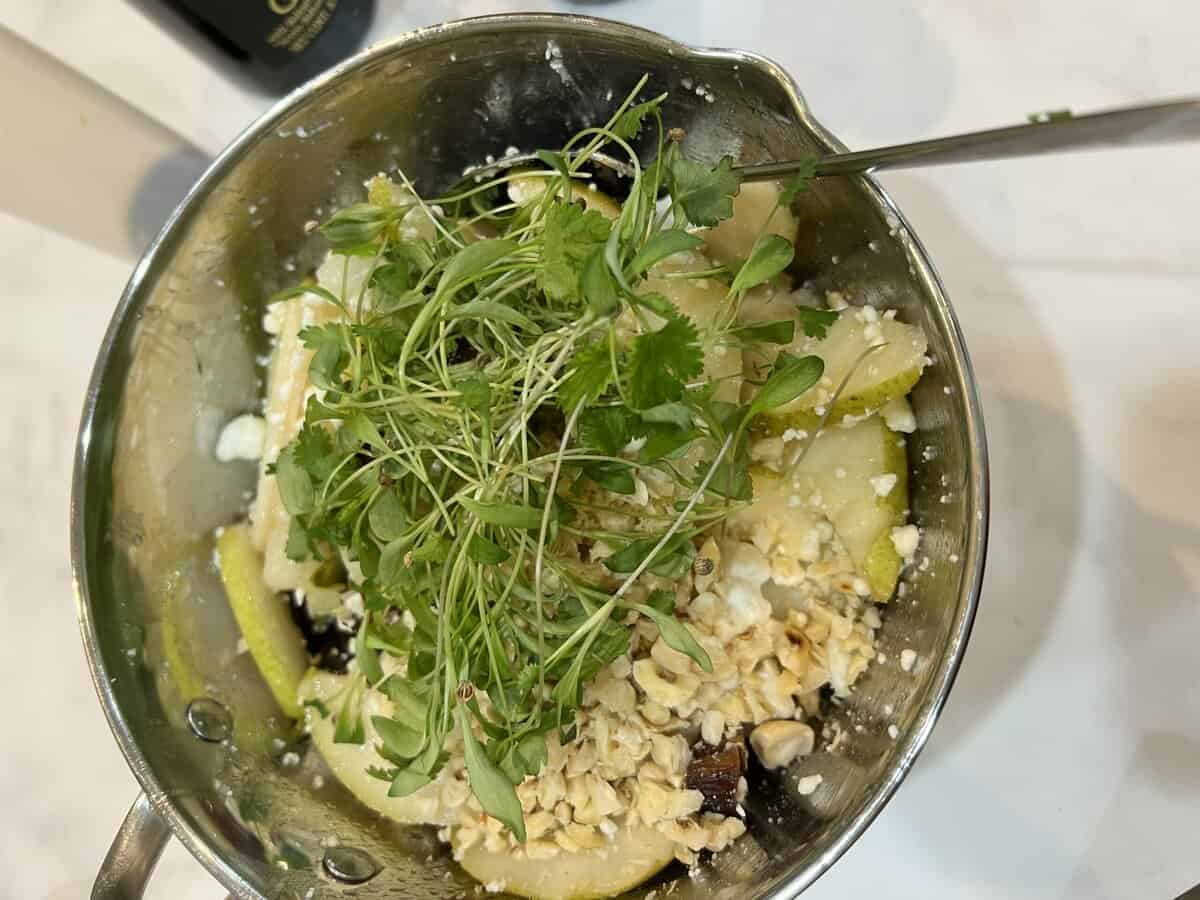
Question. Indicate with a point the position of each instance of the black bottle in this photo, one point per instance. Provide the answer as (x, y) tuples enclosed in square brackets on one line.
[(275, 44)]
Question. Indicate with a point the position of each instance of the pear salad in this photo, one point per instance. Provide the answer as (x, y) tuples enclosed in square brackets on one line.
[(568, 504)]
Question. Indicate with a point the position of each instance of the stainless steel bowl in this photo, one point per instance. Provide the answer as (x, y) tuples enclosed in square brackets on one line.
[(180, 358)]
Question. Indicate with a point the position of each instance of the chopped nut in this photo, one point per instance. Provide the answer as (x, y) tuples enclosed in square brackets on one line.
[(777, 742)]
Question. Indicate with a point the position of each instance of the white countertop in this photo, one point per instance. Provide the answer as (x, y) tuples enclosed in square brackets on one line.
[(1067, 764)]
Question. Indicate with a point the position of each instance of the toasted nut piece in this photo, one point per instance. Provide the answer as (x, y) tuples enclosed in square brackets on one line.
[(778, 741)]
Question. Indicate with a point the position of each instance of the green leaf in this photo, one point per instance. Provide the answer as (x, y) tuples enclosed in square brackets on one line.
[(663, 601), (662, 363), (489, 309), (591, 373), (330, 354), (782, 331), (387, 517), (612, 476), (570, 237), (790, 377), (506, 515), (607, 428), (391, 562), (629, 124), (315, 452), (706, 195), (367, 657), (298, 546), (533, 752), (394, 279), (597, 285), (664, 441), (815, 322), (407, 707), (354, 225), (663, 245), (295, 485), (676, 414), (770, 255), (628, 558), (473, 259), (657, 304), (349, 726), (399, 740), (677, 636), (492, 789), (486, 552), (555, 161), (476, 393), (364, 429), (408, 781), (806, 171)]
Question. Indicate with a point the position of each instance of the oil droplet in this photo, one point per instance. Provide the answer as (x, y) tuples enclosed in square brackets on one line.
[(209, 720), (350, 865)]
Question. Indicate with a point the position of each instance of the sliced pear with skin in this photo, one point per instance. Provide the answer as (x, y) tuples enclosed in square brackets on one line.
[(349, 762), (835, 478), (526, 188), (883, 375), (731, 241), (274, 641), (634, 855), (700, 299)]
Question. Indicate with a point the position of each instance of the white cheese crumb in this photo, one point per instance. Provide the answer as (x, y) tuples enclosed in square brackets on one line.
[(353, 601), (290, 759), (794, 434), (808, 784), (883, 484), (953, 557), (893, 732), (242, 438), (898, 416), (318, 782), (835, 300), (905, 539), (908, 659), (495, 887), (839, 472)]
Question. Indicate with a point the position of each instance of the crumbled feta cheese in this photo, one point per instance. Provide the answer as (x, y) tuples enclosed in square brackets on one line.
[(353, 601), (898, 416), (794, 434), (835, 300), (908, 659), (289, 759), (883, 484), (893, 732), (905, 539), (808, 784), (242, 438)]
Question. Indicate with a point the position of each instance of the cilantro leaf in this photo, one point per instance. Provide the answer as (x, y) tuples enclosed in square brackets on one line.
[(815, 322), (607, 428), (572, 234), (662, 362), (591, 374), (706, 195), (596, 284), (806, 171), (330, 355), (313, 451), (295, 485), (629, 123), (612, 476)]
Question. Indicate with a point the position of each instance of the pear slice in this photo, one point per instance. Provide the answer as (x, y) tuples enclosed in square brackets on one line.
[(528, 189), (274, 641), (731, 241), (349, 762), (883, 375), (633, 856), (839, 477), (834, 481)]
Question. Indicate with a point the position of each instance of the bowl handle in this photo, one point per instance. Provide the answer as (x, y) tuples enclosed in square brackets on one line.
[(133, 854)]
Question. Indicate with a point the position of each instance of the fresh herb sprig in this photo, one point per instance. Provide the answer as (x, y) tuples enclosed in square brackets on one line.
[(489, 397)]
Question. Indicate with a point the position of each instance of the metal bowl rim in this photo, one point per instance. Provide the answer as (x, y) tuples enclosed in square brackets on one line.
[(978, 487)]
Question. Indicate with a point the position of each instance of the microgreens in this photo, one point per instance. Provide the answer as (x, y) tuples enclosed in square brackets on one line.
[(495, 391)]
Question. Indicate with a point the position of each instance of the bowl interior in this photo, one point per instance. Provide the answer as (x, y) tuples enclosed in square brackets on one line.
[(185, 354)]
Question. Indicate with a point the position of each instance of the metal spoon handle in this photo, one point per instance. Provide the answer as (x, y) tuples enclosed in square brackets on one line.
[(1130, 126)]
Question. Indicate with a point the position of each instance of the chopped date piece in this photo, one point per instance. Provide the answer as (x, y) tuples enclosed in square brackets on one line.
[(715, 772)]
